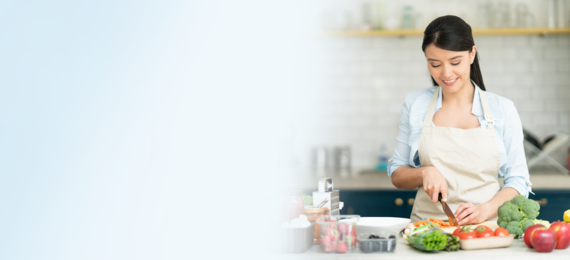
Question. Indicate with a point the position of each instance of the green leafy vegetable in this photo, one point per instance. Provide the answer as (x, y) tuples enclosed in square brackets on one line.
[(452, 243), (431, 240), (307, 199)]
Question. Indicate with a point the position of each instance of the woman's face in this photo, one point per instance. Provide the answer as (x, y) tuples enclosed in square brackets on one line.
[(450, 69)]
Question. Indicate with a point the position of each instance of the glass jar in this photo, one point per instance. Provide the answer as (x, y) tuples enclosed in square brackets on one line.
[(314, 213)]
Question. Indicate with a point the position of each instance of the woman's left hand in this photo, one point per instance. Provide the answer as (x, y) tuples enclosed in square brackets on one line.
[(468, 213)]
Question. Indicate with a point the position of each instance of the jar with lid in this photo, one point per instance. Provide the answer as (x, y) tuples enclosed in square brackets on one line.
[(314, 213)]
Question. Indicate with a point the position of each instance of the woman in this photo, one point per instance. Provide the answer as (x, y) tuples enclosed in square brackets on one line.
[(455, 138)]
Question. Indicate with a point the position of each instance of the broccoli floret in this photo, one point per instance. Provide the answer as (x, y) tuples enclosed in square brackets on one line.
[(518, 214), (509, 212), (502, 223), (504, 210), (530, 208), (526, 223), (514, 227), (519, 200)]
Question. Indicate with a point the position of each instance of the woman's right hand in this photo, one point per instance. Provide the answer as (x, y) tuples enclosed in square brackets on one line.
[(434, 183)]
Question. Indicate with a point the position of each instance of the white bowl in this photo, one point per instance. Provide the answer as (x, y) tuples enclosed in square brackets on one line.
[(378, 224)]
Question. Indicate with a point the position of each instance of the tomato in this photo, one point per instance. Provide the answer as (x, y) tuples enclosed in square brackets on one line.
[(486, 233), (501, 232), (467, 235), (480, 229), (456, 232)]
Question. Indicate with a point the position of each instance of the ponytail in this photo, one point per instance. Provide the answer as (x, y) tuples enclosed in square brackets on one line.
[(476, 75)]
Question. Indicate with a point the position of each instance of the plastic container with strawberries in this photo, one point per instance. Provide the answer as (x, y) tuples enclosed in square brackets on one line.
[(338, 233)]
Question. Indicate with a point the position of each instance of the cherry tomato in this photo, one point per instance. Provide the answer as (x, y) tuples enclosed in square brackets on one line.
[(480, 229), (456, 231), (467, 235), (501, 232), (486, 233)]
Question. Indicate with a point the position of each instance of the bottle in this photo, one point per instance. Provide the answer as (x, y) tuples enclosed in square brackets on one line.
[(383, 159)]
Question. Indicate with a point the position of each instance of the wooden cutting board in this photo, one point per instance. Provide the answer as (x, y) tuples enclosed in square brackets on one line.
[(491, 224)]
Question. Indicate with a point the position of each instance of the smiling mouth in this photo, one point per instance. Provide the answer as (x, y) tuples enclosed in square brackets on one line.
[(450, 82)]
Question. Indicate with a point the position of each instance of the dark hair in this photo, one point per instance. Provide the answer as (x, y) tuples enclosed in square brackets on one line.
[(453, 34)]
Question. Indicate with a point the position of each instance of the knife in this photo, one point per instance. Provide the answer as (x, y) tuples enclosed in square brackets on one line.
[(448, 212)]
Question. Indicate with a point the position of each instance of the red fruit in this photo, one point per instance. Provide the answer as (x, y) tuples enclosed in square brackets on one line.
[(456, 232), (467, 235), (343, 228), (543, 239), (342, 247), (562, 230), (480, 229), (528, 232), (501, 232), (328, 245), (332, 224), (350, 240), (330, 249), (486, 233), (333, 234), (326, 241)]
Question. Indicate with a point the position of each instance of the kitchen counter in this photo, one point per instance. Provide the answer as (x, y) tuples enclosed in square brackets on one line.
[(518, 250), (379, 180)]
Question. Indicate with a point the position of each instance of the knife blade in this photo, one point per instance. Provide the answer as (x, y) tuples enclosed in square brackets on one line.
[(448, 212)]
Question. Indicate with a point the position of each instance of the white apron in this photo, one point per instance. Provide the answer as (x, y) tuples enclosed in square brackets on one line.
[(467, 159)]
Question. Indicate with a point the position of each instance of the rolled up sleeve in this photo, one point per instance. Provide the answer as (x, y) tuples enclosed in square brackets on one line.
[(515, 171), (401, 154)]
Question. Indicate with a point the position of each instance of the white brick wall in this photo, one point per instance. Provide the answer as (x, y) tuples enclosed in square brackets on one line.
[(359, 105)]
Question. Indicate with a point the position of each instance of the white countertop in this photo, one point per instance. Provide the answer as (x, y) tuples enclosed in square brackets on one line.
[(518, 250)]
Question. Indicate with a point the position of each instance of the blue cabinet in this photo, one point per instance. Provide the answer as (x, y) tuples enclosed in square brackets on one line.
[(378, 203), (398, 203), (553, 203)]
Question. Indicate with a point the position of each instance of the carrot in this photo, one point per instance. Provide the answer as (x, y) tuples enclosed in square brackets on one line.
[(440, 223), (420, 223)]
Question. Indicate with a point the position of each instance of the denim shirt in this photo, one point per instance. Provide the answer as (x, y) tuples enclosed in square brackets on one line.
[(508, 135)]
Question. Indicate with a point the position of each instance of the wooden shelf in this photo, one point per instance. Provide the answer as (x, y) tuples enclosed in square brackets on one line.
[(541, 31)]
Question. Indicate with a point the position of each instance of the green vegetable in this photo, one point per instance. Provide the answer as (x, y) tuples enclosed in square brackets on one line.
[(431, 240), (517, 215), (452, 243), (307, 199), (424, 228)]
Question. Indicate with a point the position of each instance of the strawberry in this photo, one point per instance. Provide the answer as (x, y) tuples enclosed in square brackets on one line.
[(331, 247), (332, 233), (350, 240), (342, 247), (342, 228), (326, 241)]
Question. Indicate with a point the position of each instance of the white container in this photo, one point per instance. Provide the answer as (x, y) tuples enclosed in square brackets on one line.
[(377, 225)]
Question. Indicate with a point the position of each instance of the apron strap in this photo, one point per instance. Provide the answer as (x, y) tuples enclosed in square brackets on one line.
[(431, 108), (489, 120)]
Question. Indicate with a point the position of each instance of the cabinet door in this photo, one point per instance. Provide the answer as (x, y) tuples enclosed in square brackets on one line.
[(391, 203), (553, 203)]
